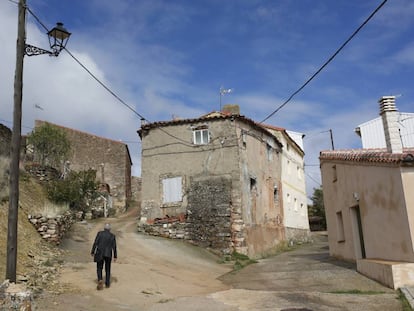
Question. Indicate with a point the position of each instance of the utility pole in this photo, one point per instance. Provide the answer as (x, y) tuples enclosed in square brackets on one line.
[(15, 147)]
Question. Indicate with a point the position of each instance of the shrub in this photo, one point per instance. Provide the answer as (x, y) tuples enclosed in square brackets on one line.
[(78, 189)]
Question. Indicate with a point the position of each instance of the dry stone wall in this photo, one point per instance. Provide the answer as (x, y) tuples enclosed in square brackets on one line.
[(53, 229), (5, 140)]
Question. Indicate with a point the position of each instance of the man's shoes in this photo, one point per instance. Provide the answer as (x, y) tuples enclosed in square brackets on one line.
[(100, 285), (107, 285)]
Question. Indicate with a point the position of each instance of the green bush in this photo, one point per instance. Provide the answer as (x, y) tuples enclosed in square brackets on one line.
[(78, 189)]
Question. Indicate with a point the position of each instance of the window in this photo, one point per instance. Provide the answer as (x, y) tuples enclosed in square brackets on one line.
[(288, 167), (275, 194), (299, 171), (340, 227), (201, 136), (269, 151), (172, 190), (253, 183), (335, 176)]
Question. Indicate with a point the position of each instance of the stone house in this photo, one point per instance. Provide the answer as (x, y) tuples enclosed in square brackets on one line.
[(214, 181), (111, 160), (369, 203)]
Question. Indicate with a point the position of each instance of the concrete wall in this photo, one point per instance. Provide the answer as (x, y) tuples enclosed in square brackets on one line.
[(386, 208), (109, 158)]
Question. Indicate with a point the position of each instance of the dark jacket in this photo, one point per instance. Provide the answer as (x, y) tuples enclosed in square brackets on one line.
[(104, 245)]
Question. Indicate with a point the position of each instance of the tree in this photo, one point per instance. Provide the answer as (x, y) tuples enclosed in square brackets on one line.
[(50, 145), (317, 209), (78, 189)]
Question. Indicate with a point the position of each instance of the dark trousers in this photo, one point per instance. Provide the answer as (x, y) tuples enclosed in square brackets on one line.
[(99, 267)]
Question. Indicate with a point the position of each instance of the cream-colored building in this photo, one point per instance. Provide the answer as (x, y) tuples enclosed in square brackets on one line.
[(295, 208), (369, 204), (215, 181)]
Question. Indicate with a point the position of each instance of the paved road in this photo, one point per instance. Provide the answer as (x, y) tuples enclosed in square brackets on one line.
[(307, 278)]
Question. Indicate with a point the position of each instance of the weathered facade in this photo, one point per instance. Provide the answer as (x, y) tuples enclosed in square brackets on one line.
[(213, 181), (293, 183), (369, 203), (110, 159)]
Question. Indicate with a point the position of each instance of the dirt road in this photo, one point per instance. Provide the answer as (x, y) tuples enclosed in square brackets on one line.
[(154, 274), (149, 271)]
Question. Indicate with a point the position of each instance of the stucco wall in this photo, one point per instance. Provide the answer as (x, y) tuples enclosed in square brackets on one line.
[(247, 218), (293, 187), (163, 157), (262, 213), (378, 190)]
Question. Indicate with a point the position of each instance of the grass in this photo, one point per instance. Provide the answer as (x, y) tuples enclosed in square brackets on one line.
[(404, 302), (240, 260), (357, 292)]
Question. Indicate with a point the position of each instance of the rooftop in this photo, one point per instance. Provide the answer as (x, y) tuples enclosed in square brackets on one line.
[(380, 155)]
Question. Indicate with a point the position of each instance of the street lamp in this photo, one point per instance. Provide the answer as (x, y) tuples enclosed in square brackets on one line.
[(58, 38)]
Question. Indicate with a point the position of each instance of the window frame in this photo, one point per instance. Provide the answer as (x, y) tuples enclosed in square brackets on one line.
[(201, 131)]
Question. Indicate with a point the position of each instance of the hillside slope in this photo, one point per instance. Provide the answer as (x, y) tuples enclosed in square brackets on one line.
[(37, 261)]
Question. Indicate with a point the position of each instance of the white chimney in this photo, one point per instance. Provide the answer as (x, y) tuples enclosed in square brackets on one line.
[(390, 115)]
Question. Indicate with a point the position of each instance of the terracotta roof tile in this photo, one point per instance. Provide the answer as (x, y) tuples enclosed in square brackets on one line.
[(369, 155)]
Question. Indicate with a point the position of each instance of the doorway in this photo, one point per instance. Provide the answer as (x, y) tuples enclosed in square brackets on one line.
[(357, 232)]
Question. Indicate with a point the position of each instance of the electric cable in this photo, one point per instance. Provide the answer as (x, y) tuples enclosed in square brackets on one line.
[(326, 63)]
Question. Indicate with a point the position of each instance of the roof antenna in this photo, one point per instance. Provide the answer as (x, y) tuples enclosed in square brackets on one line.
[(224, 91)]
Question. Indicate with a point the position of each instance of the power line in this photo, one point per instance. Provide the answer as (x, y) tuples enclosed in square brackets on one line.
[(103, 84), (327, 62), (313, 179)]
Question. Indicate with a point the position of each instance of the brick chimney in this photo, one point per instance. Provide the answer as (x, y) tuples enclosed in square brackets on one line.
[(231, 109), (390, 115)]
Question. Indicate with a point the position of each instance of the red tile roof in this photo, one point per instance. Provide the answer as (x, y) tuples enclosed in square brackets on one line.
[(370, 155)]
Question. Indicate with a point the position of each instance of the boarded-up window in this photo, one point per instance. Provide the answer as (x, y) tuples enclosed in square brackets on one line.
[(172, 190)]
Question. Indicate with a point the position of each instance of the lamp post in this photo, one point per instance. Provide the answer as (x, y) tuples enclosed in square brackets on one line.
[(58, 38)]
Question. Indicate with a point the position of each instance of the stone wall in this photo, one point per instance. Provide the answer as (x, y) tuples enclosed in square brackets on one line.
[(52, 229), (136, 183), (110, 159), (5, 140), (15, 297), (209, 213), (208, 219)]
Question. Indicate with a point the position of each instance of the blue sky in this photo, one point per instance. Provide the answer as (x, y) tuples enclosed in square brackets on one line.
[(170, 58)]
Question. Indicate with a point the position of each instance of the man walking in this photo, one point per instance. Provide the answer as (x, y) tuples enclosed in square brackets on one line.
[(102, 250)]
